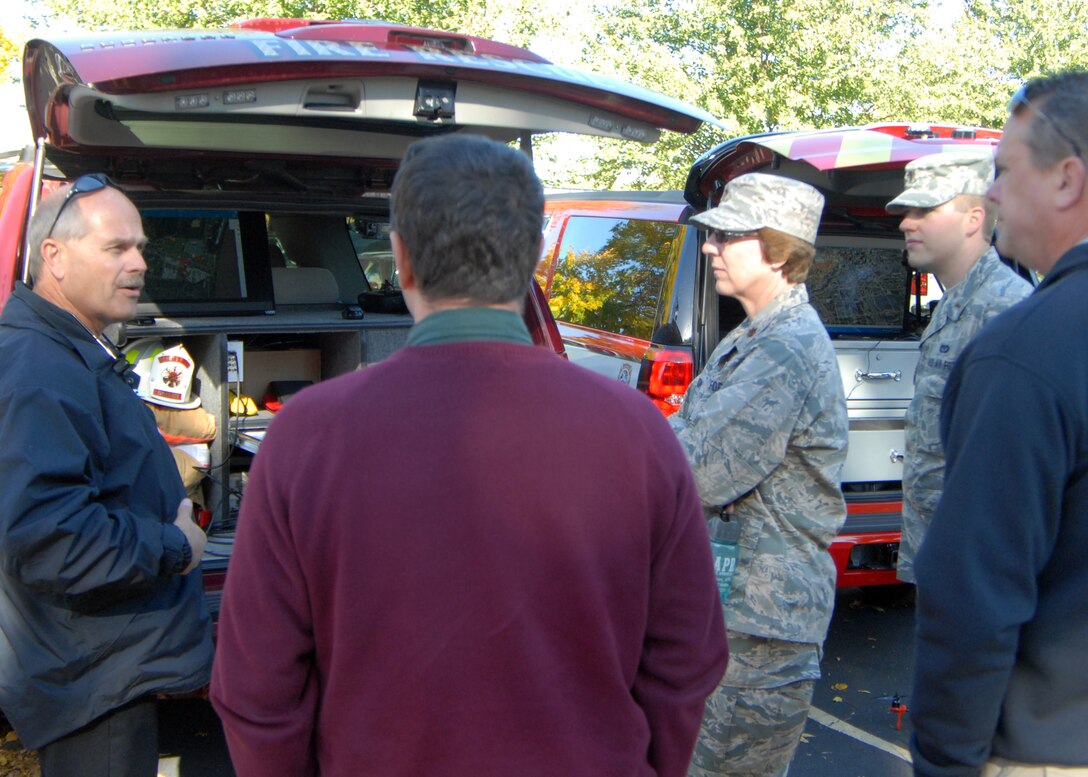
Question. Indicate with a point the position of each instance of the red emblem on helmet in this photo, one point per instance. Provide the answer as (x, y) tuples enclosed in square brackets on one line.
[(171, 377)]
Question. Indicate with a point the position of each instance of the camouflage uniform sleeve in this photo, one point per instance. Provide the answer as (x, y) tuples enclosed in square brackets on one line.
[(736, 429)]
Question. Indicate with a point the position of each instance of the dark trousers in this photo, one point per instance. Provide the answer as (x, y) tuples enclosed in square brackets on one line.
[(121, 743)]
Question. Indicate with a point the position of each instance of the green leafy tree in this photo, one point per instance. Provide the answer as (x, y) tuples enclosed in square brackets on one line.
[(954, 75), (761, 65), (964, 71), (515, 21), (1035, 37)]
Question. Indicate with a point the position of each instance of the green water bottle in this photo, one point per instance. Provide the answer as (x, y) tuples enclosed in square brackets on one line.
[(724, 535)]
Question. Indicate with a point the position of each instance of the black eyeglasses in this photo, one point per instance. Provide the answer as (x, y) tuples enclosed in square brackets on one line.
[(85, 184), (1021, 100), (724, 236)]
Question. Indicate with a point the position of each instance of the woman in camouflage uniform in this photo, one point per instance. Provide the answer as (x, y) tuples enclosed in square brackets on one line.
[(764, 427)]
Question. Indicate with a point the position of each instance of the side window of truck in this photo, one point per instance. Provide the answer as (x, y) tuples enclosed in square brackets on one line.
[(609, 273)]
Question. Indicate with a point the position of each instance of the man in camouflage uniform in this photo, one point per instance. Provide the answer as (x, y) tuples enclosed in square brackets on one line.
[(948, 224), (765, 427)]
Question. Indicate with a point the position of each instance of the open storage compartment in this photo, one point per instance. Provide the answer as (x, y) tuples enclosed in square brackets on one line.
[(254, 356)]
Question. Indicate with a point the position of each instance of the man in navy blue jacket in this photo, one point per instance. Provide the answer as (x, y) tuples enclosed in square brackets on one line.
[(98, 611), (1000, 685)]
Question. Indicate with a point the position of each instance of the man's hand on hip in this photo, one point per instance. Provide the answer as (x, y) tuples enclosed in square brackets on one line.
[(193, 533)]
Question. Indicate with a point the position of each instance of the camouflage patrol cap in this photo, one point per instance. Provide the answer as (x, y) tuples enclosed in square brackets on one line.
[(935, 179), (756, 200)]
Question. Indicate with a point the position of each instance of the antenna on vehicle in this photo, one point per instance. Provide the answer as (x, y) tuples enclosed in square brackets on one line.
[(32, 203)]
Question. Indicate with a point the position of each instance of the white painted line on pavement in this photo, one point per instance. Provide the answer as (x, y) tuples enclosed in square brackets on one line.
[(169, 766), (830, 721)]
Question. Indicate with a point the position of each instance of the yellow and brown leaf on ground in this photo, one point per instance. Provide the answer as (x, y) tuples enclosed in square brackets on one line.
[(15, 761)]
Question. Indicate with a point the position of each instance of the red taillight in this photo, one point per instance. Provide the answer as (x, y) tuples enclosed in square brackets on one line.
[(665, 378)]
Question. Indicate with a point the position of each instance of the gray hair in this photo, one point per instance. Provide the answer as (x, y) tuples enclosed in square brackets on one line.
[(470, 212), (69, 226), (1059, 125)]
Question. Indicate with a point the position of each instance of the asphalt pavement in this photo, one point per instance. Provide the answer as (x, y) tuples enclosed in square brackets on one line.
[(853, 729)]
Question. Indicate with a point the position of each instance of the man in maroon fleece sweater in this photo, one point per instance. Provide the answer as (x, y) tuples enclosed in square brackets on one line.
[(473, 558)]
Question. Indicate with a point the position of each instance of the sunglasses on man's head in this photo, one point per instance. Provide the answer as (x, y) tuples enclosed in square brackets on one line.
[(1021, 100), (85, 184)]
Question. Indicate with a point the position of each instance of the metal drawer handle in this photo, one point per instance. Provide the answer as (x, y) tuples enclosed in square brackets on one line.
[(895, 456), (859, 376)]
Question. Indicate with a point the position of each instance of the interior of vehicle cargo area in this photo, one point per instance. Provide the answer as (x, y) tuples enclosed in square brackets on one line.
[(264, 304)]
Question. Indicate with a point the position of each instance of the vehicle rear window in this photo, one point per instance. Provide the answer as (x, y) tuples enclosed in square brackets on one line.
[(609, 273)]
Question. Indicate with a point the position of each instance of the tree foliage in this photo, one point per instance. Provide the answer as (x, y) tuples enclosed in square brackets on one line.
[(9, 53), (760, 65), (513, 21), (768, 65), (1034, 37)]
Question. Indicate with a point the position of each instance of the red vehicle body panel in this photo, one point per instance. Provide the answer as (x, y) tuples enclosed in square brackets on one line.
[(14, 202)]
